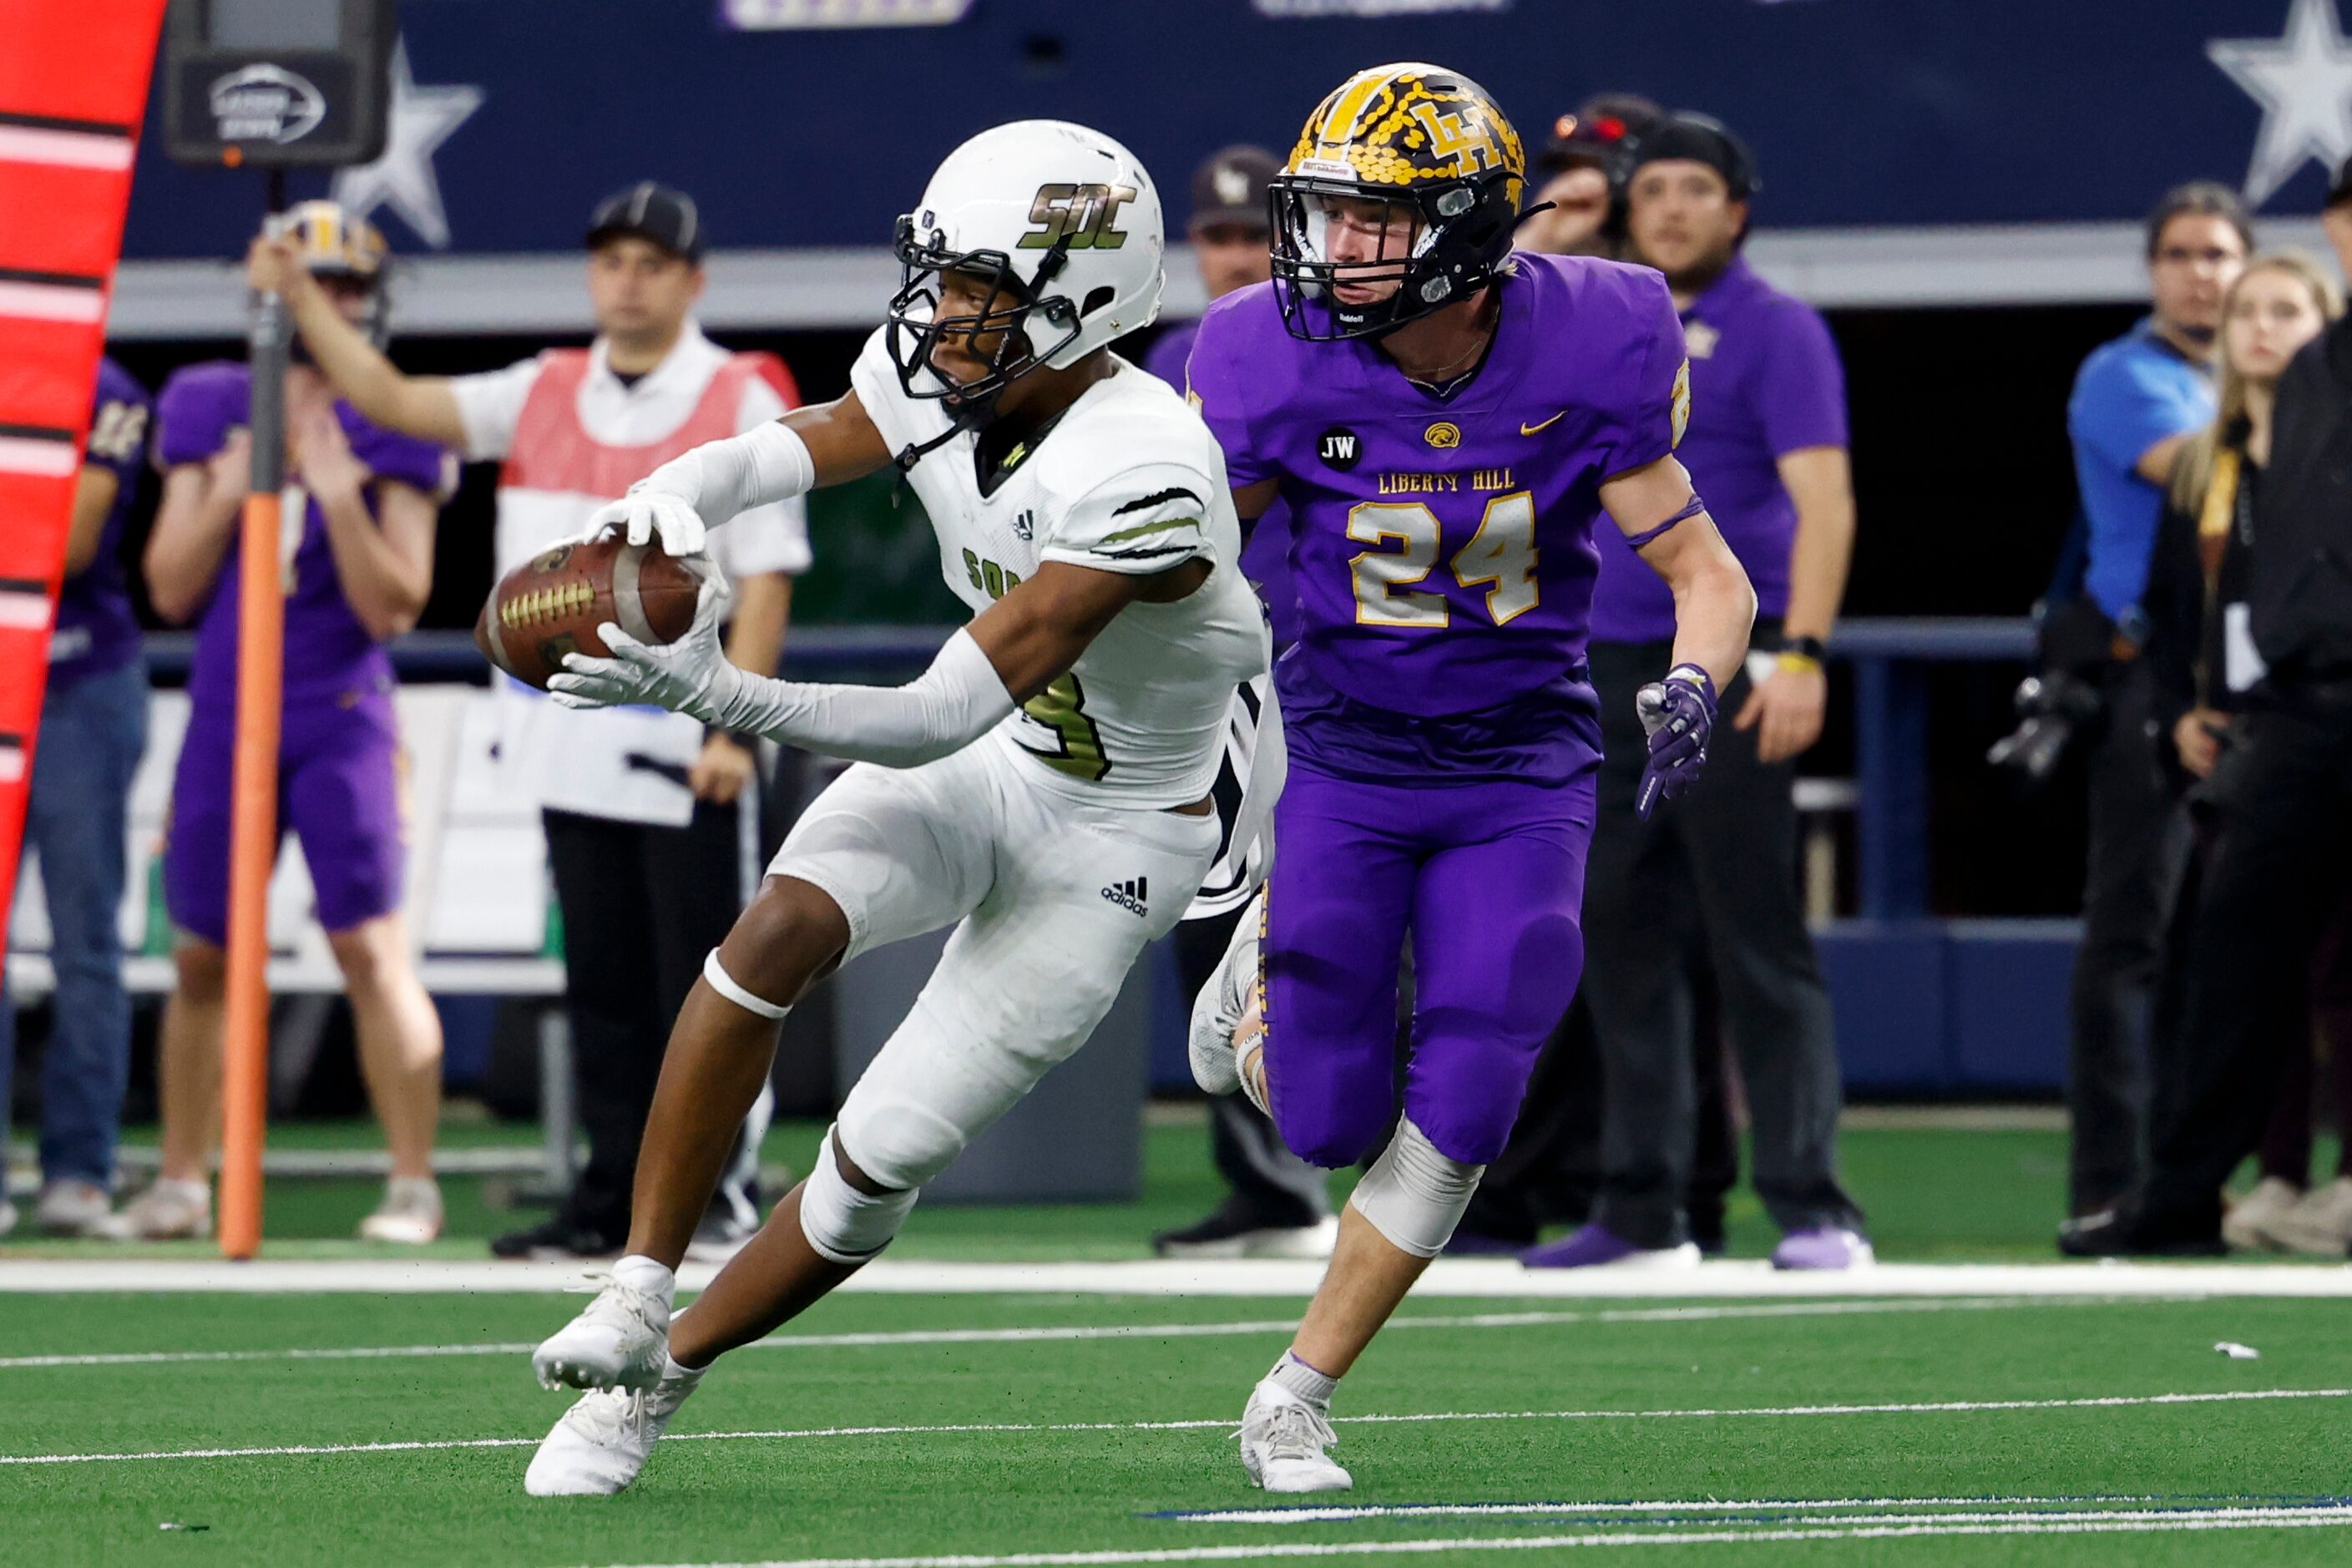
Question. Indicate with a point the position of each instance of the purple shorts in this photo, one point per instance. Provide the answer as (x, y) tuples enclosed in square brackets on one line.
[(338, 789), (1489, 878)]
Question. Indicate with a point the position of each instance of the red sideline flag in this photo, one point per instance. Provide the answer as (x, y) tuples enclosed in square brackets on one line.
[(73, 84)]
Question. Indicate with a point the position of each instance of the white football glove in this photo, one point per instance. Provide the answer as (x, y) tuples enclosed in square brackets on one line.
[(691, 676), (650, 514)]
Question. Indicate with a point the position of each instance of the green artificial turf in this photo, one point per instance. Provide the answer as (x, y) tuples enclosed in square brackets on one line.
[(995, 1492), (1936, 1193)]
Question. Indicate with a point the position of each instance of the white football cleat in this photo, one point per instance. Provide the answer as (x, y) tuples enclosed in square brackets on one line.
[(605, 1439), (620, 1339), (410, 1212), (1282, 1443), (1218, 1010)]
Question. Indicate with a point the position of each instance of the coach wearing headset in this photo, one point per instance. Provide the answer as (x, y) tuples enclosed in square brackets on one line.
[(1711, 889)]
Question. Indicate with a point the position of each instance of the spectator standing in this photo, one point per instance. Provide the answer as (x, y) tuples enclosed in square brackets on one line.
[(1276, 1204), (93, 729), (1550, 1170), (2136, 403), (652, 823), (1577, 210), (355, 566), (2198, 652), (2279, 799), (1715, 882)]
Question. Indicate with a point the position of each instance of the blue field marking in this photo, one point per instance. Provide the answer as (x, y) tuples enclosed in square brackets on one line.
[(1634, 1514)]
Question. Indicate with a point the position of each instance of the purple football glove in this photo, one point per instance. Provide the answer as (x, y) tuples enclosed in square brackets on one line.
[(1678, 712)]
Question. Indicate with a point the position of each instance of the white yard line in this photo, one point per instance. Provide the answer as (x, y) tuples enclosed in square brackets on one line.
[(1958, 1407), (2165, 1522), (1450, 1277), (1096, 1331)]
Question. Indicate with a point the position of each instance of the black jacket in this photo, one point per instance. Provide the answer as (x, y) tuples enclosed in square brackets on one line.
[(2299, 578)]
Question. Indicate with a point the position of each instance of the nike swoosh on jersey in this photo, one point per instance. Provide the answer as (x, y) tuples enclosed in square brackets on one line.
[(1527, 429)]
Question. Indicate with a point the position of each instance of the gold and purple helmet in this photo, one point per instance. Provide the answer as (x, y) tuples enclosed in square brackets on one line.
[(1429, 145), (333, 244)]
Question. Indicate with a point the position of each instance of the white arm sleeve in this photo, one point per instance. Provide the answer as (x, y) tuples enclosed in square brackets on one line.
[(956, 701), (719, 478)]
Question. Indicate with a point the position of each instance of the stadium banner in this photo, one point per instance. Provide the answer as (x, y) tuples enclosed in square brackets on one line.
[(73, 78), (507, 123)]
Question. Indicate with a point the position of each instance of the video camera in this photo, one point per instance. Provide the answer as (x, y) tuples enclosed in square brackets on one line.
[(2077, 648)]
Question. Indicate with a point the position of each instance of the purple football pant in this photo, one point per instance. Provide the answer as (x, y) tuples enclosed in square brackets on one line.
[(1489, 878), (338, 790)]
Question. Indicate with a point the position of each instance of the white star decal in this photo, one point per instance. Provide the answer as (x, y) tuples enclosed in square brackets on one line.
[(422, 119), (2303, 79)]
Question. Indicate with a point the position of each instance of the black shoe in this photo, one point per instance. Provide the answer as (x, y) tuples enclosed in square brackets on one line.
[(1240, 1230), (558, 1236), (2128, 1231)]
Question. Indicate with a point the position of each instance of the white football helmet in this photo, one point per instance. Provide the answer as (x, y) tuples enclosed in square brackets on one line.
[(1064, 227)]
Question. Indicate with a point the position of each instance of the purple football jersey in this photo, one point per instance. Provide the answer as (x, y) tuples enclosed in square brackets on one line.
[(328, 654), (96, 630), (1441, 548)]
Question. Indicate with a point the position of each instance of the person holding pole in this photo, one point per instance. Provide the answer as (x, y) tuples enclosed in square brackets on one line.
[(355, 566)]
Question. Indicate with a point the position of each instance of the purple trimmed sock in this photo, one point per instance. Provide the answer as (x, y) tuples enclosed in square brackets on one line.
[(1295, 1375)]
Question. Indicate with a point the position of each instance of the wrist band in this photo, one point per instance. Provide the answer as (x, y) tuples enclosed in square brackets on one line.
[(1791, 660)]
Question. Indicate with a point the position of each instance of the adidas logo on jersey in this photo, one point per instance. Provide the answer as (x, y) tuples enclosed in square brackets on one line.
[(1130, 895), (1025, 525)]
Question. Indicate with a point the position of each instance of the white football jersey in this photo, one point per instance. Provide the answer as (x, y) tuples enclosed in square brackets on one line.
[(1128, 480)]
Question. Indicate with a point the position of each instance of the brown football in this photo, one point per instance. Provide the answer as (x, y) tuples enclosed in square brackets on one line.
[(552, 603)]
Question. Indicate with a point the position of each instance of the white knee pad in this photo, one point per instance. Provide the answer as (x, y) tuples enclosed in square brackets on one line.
[(845, 1225), (1414, 1196)]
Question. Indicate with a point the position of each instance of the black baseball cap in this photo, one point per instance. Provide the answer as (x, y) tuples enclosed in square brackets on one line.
[(1230, 188), (650, 211), (1593, 136), (1701, 140)]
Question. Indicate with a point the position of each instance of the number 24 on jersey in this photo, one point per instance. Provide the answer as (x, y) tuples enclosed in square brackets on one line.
[(1500, 557)]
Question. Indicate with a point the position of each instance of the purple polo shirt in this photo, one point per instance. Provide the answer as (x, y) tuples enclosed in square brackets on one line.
[(330, 656), (1266, 557), (1765, 382), (96, 631)]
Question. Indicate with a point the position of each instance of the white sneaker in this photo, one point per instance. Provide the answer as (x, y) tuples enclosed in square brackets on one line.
[(2320, 1223), (410, 1214), (1218, 1010), (620, 1339), (2248, 1227), (73, 1208), (605, 1439), (168, 1211), (1282, 1443), (8, 1216)]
